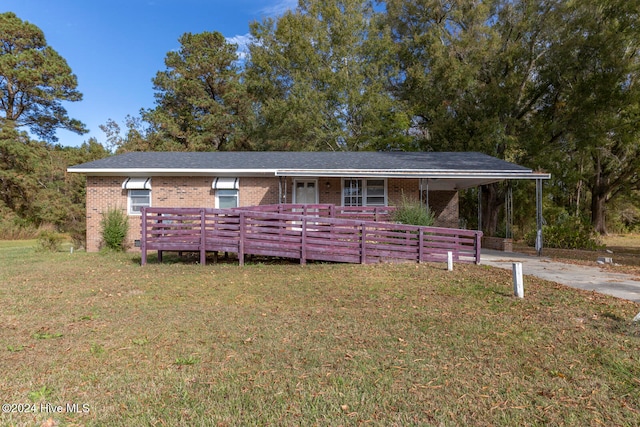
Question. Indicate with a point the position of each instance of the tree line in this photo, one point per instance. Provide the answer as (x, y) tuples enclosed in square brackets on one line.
[(549, 84)]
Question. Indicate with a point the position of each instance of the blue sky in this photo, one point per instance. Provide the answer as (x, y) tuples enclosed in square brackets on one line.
[(115, 47)]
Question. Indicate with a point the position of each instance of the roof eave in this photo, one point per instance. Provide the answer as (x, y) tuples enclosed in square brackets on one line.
[(424, 174), (171, 172), (328, 173)]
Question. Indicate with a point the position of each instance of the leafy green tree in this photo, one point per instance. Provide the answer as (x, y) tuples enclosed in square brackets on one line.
[(201, 104), (60, 196), (471, 78), (138, 136), (18, 162), (596, 70), (35, 188), (547, 83), (34, 81), (322, 78)]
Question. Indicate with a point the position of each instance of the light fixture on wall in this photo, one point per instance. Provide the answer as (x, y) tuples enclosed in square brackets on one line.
[(328, 185)]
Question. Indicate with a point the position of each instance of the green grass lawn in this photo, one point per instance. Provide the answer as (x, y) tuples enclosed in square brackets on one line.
[(181, 344)]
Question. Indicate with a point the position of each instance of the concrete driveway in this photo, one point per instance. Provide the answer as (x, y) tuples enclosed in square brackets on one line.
[(577, 276)]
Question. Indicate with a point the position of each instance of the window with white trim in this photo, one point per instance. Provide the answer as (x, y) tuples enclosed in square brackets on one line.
[(226, 199), (364, 192), (227, 192), (137, 200), (139, 193)]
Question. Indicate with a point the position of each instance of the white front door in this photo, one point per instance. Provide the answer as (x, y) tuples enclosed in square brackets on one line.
[(305, 192)]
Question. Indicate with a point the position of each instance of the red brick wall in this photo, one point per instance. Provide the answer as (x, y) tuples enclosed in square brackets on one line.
[(331, 194), (103, 192), (396, 187), (444, 205), (258, 191), (106, 192)]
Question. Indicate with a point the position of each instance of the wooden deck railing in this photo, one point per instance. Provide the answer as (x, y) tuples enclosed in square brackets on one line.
[(314, 236), (368, 213)]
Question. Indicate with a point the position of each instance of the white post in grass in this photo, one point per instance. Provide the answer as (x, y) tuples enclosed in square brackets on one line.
[(518, 284), (449, 261), (637, 318)]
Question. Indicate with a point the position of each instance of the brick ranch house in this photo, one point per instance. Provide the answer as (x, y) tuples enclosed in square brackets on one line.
[(230, 179)]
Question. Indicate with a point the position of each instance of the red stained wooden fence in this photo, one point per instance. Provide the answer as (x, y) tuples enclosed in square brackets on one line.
[(304, 232)]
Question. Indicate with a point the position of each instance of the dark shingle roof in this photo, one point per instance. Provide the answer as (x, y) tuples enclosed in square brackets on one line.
[(271, 160)]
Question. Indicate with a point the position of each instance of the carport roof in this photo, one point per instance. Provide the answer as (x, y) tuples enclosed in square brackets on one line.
[(459, 169)]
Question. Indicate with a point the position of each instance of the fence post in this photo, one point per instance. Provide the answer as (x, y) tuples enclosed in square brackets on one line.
[(457, 247), (303, 242), (162, 230), (143, 237), (478, 241), (449, 261), (363, 243), (420, 244), (203, 239), (241, 240)]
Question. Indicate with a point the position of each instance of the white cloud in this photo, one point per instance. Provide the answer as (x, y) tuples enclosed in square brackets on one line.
[(279, 7), (243, 42), (275, 9)]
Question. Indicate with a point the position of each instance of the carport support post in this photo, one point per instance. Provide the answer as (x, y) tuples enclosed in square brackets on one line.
[(539, 216), (508, 206), (479, 208), (426, 197)]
